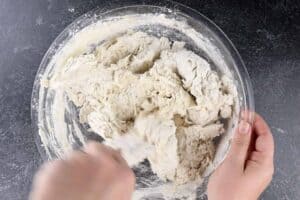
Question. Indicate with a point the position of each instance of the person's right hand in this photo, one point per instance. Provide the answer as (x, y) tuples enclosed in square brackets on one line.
[(248, 168), (96, 172)]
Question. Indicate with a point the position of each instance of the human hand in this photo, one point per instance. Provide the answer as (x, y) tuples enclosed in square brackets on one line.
[(248, 167), (98, 172)]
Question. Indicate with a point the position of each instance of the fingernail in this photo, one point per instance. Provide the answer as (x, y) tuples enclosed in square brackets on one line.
[(244, 127)]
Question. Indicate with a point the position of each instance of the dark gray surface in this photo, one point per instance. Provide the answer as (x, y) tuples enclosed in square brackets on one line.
[(266, 34)]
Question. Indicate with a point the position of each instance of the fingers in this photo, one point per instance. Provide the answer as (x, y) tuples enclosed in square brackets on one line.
[(113, 159), (260, 159), (248, 116), (264, 143), (260, 126), (103, 152), (240, 144)]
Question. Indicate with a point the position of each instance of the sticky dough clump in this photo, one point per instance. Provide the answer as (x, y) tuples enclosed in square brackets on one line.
[(157, 90)]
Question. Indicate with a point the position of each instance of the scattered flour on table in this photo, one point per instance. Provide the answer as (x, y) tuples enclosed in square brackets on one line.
[(155, 93)]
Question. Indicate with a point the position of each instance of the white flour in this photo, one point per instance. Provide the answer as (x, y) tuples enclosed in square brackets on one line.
[(148, 96)]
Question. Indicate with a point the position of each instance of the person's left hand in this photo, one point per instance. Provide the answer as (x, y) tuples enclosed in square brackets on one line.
[(97, 172)]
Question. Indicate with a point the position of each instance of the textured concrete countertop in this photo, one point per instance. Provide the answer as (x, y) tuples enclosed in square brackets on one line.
[(266, 34)]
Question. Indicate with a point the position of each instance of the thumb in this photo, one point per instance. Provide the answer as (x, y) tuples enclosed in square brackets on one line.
[(240, 144)]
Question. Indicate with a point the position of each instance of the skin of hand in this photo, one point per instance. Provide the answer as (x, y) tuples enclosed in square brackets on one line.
[(97, 172), (248, 167)]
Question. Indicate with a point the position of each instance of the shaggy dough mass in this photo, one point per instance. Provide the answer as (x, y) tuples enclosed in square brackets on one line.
[(155, 90)]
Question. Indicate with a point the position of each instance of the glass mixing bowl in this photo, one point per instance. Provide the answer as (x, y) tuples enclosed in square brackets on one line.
[(208, 41)]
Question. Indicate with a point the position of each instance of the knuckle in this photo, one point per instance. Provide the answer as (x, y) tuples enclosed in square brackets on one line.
[(49, 169), (128, 175), (79, 158), (93, 145), (271, 171), (81, 155), (55, 165), (74, 156), (239, 142)]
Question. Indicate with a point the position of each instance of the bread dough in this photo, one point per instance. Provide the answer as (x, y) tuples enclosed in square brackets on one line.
[(155, 90)]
